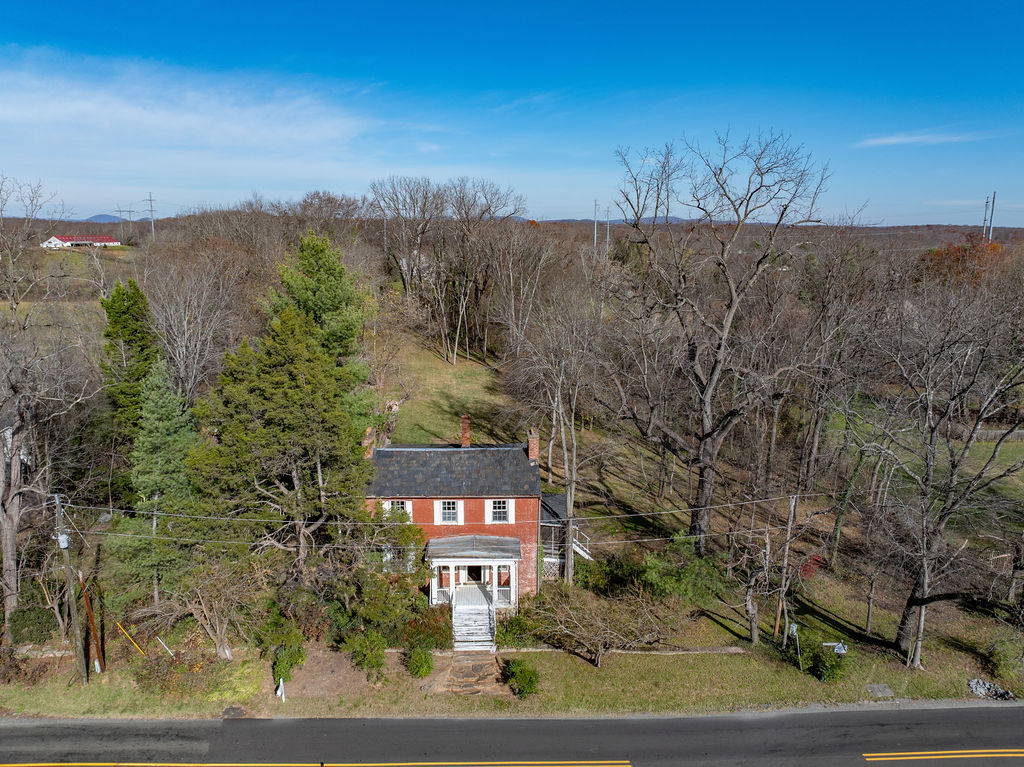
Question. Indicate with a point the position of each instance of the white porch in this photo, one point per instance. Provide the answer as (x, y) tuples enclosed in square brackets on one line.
[(474, 582)]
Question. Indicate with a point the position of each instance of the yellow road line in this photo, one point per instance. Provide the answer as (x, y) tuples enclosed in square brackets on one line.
[(571, 763), (978, 753)]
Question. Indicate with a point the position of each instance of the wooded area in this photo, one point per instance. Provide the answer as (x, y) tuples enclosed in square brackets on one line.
[(197, 402)]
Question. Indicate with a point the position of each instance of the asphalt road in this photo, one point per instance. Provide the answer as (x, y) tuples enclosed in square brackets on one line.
[(822, 738)]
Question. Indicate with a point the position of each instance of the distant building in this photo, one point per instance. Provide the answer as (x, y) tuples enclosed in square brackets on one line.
[(73, 240)]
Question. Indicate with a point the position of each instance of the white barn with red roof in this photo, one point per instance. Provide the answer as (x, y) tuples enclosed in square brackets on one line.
[(73, 240)]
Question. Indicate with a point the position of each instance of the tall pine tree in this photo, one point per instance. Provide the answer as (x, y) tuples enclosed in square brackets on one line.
[(282, 444), (164, 440), (130, 351)]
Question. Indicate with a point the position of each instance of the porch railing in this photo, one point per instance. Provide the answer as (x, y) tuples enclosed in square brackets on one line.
[(503, 595), (444, 596)]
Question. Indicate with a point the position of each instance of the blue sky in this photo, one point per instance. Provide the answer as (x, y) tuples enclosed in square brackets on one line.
[(918, 107)]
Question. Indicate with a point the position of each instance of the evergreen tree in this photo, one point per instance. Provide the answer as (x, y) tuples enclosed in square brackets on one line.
[(163, 442), (318, 285), (283, 444), (130, 351)]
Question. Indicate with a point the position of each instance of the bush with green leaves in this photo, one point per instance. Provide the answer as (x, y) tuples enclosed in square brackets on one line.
[(32, 625), (516, 631), (819, 659), (827, 665), (419, 661), (522, 678), (431, 627), (676, 573), (367, 650), (281, 639)]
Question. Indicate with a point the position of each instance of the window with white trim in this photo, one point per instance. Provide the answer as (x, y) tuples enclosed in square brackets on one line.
[(398, 506), (500, 511), (450, 512)]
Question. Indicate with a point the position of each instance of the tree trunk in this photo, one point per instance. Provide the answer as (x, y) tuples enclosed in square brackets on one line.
[(9, 549), (871, 604), (837, 529), (700, 516), (915, 659), (905, 631), (750, 606)]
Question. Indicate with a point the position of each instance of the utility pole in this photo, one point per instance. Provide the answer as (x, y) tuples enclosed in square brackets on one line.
[(152, 221), (991, 215), (120, 222), (784, 580), (607, 229), (984, 220), (595, 228), (63, 542)]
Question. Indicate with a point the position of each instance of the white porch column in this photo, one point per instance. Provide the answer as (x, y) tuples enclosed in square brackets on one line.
[(433, 584), (494, 583)]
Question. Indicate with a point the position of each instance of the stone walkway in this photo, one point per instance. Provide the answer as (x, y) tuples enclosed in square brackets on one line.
[(476, 673)]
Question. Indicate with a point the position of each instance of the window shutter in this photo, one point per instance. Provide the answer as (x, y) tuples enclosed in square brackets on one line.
[(437, 512), (460, 505), (386, 505), (488, 511), (511, 511)]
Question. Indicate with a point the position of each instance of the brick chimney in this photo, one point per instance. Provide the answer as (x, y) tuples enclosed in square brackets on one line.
[(533, 445), (465, 429)]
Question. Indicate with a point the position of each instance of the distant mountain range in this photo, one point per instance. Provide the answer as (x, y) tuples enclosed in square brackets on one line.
[(105, 218)]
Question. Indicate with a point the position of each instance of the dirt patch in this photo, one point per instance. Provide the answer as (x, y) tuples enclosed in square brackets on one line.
[(329, 674)]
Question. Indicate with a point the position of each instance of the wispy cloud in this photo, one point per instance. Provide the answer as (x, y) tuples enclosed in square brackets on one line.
[(527, 101), (100, 132), (924, 138)]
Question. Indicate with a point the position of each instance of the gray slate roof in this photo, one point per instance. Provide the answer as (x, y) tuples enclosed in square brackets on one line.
[(452, 471), (478, 546), (552, 508)]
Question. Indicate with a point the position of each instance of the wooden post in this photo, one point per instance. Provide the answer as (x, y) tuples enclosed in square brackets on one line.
[(92, 626), (784, 579)]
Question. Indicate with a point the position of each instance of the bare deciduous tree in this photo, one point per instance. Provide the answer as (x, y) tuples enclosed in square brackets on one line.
[(748, 198)]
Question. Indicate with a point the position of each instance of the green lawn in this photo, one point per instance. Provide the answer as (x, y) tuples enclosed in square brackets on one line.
[(439, 393)]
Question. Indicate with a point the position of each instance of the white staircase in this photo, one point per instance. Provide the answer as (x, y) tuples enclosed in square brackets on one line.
[(473, 628), (581, 544), (472, 619)]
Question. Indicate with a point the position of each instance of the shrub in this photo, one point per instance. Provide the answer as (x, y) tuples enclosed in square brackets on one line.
[(341, 623), (522, 678), (287, 656), (367, 651), (11, 667), (827, 665), (32, 625), (515, 631), (818, 660), (419, 661), (190, 672), (431, 628), (282, 639)]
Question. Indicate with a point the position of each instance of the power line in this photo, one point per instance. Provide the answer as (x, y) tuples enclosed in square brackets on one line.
[(394, 523), (702, 508)]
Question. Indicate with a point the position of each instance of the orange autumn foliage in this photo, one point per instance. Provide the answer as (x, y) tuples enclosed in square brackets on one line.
[(966, 260)]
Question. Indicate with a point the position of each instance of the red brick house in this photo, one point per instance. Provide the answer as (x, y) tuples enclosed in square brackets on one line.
[(480, 507)]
